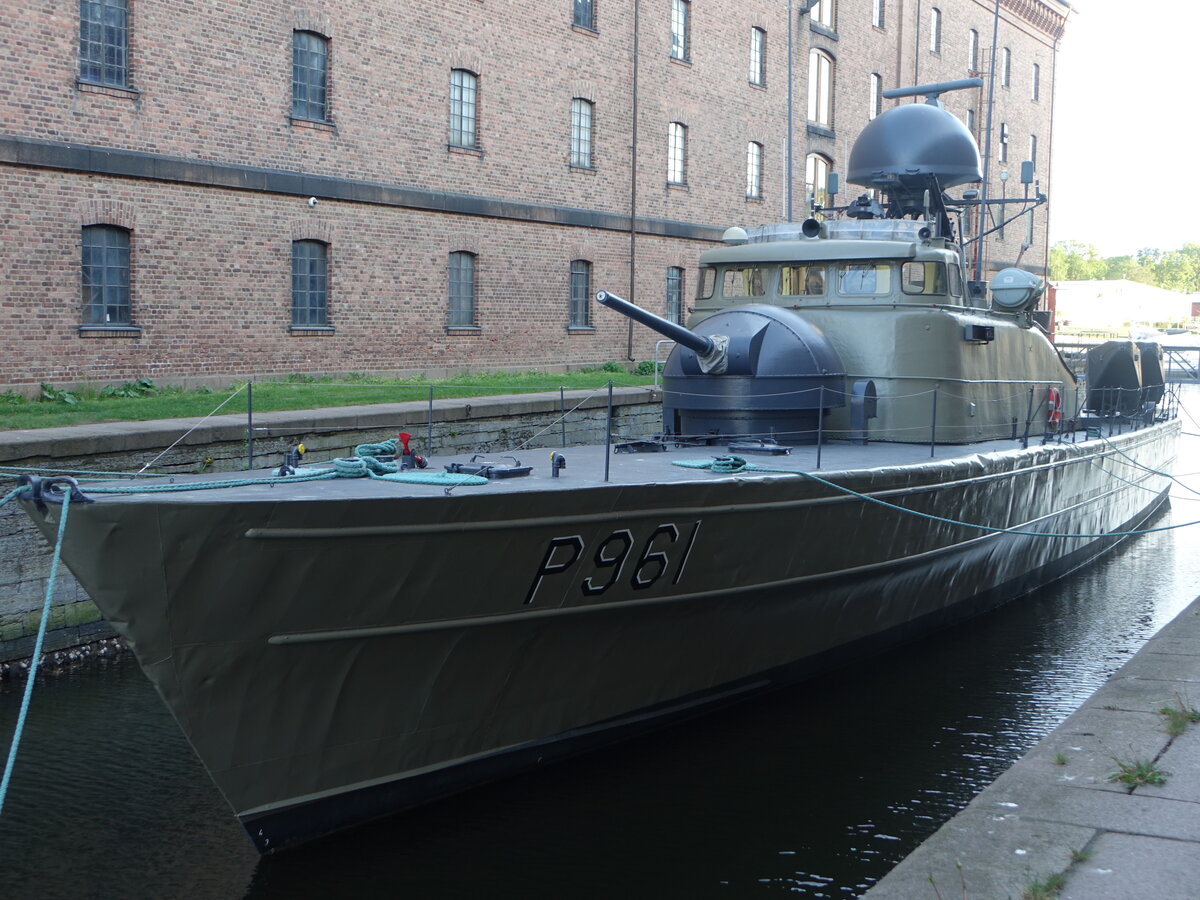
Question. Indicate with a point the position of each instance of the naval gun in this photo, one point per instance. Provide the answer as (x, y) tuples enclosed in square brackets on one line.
[(751, 371)]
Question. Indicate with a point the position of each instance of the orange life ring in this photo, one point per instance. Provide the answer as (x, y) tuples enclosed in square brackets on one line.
[(1054, 407)]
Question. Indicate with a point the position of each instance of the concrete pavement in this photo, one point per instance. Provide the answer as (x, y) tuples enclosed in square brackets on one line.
[(1056, 815)]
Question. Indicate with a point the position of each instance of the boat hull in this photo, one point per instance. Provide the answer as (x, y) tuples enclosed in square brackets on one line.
[(332, 662)]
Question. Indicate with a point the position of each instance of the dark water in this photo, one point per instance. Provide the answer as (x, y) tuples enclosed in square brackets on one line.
[(815, 791)]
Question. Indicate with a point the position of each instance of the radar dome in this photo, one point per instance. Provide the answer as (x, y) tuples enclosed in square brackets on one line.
[(916, 139)]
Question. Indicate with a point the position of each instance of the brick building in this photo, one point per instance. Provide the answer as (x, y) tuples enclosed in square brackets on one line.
[(246, 187)]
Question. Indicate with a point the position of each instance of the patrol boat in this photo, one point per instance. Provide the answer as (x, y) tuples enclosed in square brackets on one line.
[(857, 447)]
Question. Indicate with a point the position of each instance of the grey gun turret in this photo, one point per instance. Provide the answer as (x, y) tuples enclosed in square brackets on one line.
[(752, 370)]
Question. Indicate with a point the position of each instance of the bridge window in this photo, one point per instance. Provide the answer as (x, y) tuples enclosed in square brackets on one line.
[(744, 281), (858, 279), (923, 278), (802, 281)]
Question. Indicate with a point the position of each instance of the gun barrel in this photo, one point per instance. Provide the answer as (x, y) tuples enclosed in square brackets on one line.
[(680, 335)]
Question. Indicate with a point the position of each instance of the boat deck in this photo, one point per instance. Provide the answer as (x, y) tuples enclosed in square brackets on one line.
[(584, 468)]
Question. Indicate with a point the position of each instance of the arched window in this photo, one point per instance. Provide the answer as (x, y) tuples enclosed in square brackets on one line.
[(581, 133), (310, 284), (935, 30), (581, 293), (820, 87), (310, 76), (674, 304), (758, 56), (105, 270), (876, 95), (816, 178), (677, 153), (104, 42), (462, 290), (464, 108), (754, 159), (972, 50)]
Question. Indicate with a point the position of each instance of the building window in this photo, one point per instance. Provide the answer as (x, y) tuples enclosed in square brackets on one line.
[(816, 179), (464, 109), (462, 290), (877, 10), (935, 30), (104, 42), (310, 76), (677, 153), (106, 293), (674, 304), (581, 293), (754, 155), (1033, 149), (820, 87), (310, 284), (971, 121), (1005, 67), (1035, 86), (1003, 142), (823, 13), (758, 56), (581, 133), (584, 14), (876, 95), (972, 50), (681, 11)]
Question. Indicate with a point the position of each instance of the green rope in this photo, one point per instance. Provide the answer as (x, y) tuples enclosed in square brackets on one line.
[(737, 464), (37, 645)]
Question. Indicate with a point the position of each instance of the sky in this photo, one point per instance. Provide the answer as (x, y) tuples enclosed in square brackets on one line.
[(1127, 126)]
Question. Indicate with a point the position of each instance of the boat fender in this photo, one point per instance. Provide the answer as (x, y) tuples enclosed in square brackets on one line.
[(1054, 407)]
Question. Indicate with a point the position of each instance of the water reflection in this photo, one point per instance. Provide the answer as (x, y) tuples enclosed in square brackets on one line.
[(815, 791)]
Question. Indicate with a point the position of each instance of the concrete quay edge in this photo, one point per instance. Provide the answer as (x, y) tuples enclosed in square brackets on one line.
[(1056, 813), (73, 441)]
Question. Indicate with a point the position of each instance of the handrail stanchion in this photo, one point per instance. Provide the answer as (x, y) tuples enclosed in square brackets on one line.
[(820, 421), (562, 413), (429, 433), (933, 427), (249, 425), (608, 432)]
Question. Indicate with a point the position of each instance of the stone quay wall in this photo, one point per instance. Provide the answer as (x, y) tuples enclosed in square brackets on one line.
[(493, 425)]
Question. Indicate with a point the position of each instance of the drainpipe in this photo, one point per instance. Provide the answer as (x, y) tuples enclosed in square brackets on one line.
[(633, 177), (987, 147), (790, 138)]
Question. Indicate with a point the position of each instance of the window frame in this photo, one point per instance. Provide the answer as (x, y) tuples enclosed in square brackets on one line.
[(1006, 67), (972, 50), (464, 109), (462, 292), (758, 56), (579, 285), (94, 44), (310, 301), (1035, 86), (673, 295), (754, 170), (878, 13), (824, 14), (820, 86), (106, 276), (681, 26), (310, 96), (677, 153), (876, 96), (582, 150), (935, 30), (817, 164), (583, 14)]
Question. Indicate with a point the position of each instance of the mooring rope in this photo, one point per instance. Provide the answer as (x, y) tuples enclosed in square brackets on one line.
[(37, 644)]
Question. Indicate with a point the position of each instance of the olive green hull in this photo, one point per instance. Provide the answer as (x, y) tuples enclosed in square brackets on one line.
[(335, 650)]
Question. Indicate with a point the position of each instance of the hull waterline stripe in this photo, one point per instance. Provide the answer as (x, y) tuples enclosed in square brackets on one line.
[(346, 634)]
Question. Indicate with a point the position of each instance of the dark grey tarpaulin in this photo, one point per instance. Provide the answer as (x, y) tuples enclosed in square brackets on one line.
[(338, 649)]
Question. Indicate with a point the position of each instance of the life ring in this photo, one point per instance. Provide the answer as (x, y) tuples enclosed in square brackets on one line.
[(1054, 407)]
